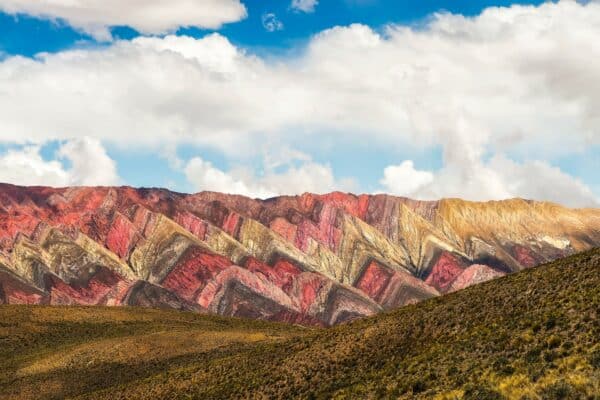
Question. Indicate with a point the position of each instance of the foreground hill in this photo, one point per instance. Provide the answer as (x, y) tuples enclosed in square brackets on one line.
[(311, 259), (531, 335)]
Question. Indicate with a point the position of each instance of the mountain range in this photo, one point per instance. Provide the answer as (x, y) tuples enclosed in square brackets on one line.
[(309, 259)]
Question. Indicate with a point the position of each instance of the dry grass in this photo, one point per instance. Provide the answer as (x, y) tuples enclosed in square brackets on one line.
[(55, 352)]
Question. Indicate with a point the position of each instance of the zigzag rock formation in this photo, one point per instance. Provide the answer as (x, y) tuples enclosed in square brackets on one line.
[(309, 259)]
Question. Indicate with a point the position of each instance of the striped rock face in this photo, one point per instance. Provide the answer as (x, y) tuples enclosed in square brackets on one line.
[(310, 259)]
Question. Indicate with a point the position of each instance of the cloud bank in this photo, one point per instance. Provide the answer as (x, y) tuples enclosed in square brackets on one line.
[(502, 94), (500, 178), (307, 177), (89, 165), (95, 17)]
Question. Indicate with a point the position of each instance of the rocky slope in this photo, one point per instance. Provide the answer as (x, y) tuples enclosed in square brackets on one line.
[(310, 259)]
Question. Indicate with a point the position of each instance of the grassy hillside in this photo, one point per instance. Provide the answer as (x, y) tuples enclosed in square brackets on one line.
[(532, 335)]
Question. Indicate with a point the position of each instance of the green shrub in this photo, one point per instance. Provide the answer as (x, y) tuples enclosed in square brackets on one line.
[(481, 392), (418, 386), (553, 341), (560, 390), (594, 358)]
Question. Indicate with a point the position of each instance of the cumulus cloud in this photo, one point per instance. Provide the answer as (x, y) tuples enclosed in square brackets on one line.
[(525, 79), (499, 178), (90, 165), (27, 167), (95, 17), (306, 6), (540, 181), (308, 176), (204, 176), (467, 174), (510, 70), (404, 179), (271, 23)]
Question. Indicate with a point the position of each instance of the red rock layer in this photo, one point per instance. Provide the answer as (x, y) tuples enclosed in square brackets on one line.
[(447, 268)]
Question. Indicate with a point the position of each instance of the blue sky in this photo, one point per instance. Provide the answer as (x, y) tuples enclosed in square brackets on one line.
[(299, 26), (487, 152), (26, 35)]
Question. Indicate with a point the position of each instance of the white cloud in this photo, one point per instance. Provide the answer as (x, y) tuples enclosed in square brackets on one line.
[(467, 175), (523, 79), (517, 70), (271, 23), (306, 177), (204, 176), (404, 86), (90, 165), (404, 179), (27, 167), (95, 17), (306, 6), (499, 178), (540, 181)]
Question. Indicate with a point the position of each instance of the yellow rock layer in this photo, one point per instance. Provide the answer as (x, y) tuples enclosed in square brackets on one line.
[(362, 242), (222, 243), (263, 243), (163, 246), (420, 237), (26, 255), (520, 221), (105, 256)]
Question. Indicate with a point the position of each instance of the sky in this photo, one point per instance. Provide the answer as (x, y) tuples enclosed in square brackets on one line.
[(483, 100)]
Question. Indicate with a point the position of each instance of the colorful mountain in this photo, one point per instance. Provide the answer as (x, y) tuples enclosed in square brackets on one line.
[(309, 259)]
